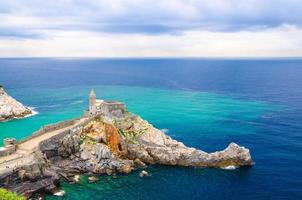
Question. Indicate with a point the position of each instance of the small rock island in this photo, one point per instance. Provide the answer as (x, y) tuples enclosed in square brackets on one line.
[(107, 139), (10, 108)]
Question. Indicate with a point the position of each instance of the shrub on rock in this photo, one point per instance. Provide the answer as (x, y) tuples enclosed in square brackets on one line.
[(7, 195)]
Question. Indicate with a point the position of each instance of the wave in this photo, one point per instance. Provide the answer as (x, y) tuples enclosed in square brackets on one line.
[(51, 106), (165, 130), (59, 193), (230, 167), (33, 112), (76, 102)]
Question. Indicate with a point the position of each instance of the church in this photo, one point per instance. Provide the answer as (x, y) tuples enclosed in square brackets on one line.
[(106, 108)]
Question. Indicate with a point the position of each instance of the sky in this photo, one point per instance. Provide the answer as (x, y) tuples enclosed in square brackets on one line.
[(150, 28)]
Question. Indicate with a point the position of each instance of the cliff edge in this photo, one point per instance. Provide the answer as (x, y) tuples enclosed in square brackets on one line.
[(10, 108), (108, 139), (110, 145)]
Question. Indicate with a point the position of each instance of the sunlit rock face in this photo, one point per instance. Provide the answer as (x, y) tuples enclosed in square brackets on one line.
[(154, 146), (133, 138), (110, 145), (10, 108)]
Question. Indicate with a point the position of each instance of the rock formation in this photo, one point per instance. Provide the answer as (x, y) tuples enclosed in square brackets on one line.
[(153, 146), (10, 108), (110, 146)]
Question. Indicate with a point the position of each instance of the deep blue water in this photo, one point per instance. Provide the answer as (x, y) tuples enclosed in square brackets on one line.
[(203, 102)]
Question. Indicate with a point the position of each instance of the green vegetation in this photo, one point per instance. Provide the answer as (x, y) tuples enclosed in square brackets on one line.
[(87, 140), (7, 195), (131, 135), (99, 118)]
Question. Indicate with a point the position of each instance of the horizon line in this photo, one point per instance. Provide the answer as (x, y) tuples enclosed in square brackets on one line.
[(158, 57)]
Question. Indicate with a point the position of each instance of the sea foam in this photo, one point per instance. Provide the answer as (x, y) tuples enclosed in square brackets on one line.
[(230, 167), (33, 112), (165, 130)]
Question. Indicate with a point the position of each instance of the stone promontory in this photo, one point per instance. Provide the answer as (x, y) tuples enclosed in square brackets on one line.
[(10, 108), (109, 140)]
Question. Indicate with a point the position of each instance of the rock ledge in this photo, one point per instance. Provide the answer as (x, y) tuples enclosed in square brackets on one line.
[(10, 108), (110, 146)]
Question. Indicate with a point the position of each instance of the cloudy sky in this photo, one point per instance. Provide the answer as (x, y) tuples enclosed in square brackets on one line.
[(151, 28)]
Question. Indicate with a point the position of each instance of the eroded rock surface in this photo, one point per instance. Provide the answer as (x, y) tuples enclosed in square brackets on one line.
[(10, 108), (110, 146), (154, 146)]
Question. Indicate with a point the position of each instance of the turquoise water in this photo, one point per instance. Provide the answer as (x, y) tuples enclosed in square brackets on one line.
[(200, 110), (205, 103), (200, 114)]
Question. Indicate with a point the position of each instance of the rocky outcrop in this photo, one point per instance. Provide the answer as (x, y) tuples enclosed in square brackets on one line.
[(110, 146), (133, 138), (30, 179), (99, 159), (10, 108), (154, 146)]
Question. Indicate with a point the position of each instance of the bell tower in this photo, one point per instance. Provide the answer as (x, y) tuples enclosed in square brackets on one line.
[(92, 103)]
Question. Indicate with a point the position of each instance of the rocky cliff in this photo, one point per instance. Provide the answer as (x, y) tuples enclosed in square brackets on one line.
[(10, 108), (110, 146), (153, 146)]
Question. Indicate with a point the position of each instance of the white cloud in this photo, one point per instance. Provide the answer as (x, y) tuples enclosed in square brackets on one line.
[(282, 41), (173, 14), (106, 28)]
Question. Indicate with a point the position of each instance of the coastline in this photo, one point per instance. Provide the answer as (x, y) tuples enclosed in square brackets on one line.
[(108, 140), (10, 108), (260, 109), (33, 112)]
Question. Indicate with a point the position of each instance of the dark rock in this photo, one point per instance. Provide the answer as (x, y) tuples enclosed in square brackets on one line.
[(62, 156), (28, 188), (139, 163)]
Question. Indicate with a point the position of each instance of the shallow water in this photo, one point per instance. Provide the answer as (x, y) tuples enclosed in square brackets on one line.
[(203, 103)]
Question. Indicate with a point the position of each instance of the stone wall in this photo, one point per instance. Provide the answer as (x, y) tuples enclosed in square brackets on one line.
[(8, 150), (9, 147), (50, 127), (112, 108), (51, 146), (9, 141)]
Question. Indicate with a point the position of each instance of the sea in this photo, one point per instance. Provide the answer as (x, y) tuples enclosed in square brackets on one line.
[(205, 103)]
